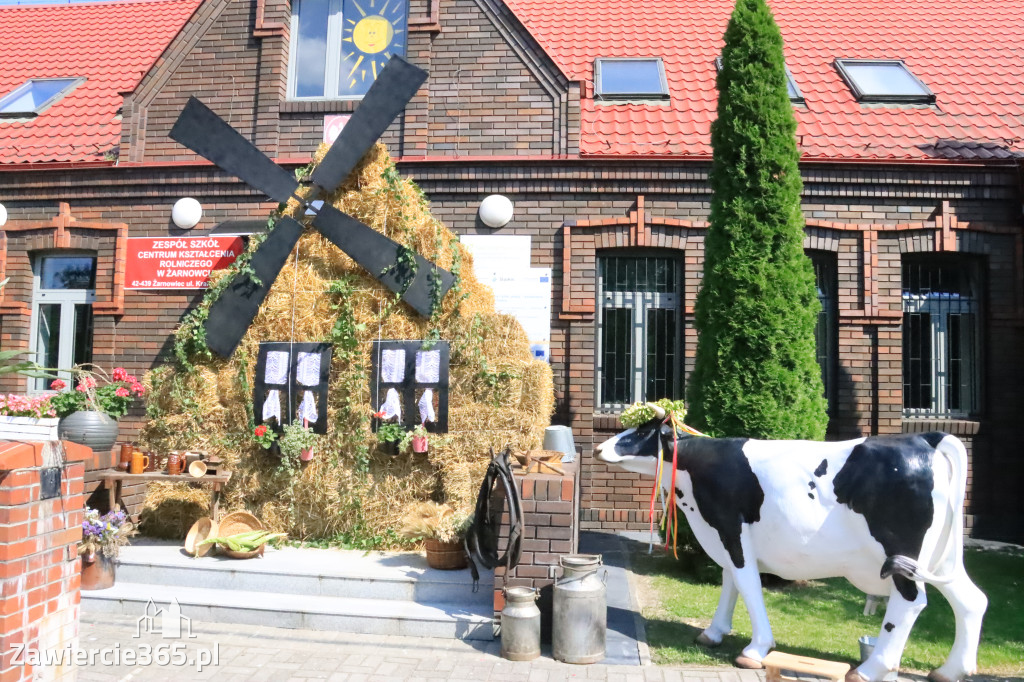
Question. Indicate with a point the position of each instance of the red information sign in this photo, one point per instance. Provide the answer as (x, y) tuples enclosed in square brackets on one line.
[(178, 262)]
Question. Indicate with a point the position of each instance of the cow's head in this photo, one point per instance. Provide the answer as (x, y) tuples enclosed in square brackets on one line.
[(638, 449)]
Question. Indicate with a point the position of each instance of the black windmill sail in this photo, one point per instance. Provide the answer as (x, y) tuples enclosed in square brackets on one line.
[(205, 133)]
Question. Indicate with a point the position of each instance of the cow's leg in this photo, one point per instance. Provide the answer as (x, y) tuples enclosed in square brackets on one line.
[(969, 604), (721, 624), (748, 583), (899, 619)]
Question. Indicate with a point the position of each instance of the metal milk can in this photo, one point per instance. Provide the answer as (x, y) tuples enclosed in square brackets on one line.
[(580, 612), (520, 625)]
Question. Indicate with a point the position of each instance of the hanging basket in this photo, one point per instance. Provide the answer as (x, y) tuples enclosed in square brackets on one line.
[(446, 556)]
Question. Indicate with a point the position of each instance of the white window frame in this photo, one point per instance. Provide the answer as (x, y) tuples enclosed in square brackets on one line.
[(924, 97), (333, 57), (639, 302), (939, 311), (56, 97), (67, 299)]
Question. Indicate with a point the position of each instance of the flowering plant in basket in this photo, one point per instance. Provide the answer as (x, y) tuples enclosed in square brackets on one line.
[(105, 534), (36, 407), (96, 391)]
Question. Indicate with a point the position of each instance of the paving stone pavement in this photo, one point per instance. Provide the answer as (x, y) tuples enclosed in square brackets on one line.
[(268, 654)]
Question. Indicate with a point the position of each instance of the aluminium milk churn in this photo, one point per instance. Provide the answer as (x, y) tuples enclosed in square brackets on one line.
[(580, 613), (520, 625)]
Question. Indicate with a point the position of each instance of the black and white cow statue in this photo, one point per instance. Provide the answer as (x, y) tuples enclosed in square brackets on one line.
[(885, 512)]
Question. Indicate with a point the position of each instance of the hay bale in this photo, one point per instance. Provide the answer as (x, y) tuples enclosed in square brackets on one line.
[(499, 395)]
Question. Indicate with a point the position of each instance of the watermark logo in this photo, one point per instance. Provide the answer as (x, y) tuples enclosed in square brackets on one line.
[(167, 622)]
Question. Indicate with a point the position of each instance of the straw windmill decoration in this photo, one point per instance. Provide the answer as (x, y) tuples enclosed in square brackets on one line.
[(205, 133)]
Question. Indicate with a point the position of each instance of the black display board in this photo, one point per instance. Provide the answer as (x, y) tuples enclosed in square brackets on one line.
[(408, 388), (291, 390)]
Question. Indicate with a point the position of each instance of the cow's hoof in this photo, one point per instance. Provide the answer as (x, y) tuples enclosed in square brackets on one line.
[(748, 663), (704, 640), (854, 676), (936, 676)]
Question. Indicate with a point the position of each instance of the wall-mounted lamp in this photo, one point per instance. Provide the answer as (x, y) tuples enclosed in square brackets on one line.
[(3, 215), (496, 210), (186, 213)]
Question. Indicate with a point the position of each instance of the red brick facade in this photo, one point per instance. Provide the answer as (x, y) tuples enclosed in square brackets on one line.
[(40, 527), (496, 116)]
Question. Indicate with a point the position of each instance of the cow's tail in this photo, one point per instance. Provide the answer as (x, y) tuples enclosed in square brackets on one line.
[(948, 553)]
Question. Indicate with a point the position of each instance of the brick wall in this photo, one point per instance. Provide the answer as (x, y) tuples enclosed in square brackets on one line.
[(41, 515), (550, 529)]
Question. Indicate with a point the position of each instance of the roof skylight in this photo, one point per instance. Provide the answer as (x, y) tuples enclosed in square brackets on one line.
[(630, 79), (883, 80), (34, 96), (794, 92)]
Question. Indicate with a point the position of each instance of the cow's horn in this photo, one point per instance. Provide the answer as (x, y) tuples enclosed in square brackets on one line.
[(659, 411)]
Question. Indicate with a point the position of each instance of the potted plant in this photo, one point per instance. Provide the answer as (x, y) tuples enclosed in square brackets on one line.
[(419, 438), (297, 441), (441, 529), (390, 435), (102, 539), (89, 412), (27, 418)]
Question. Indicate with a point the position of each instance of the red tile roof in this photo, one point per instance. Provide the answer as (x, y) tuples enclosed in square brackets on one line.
[(111, 44), (970, 53)]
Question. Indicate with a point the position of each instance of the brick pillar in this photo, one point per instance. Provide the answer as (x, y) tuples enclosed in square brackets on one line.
[(41, 513), (550, 529)]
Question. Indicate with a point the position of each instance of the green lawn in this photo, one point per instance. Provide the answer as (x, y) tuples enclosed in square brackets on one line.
[(825, 618)]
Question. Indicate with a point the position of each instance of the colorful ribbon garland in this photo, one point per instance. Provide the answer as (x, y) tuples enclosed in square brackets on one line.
[(670, 510)]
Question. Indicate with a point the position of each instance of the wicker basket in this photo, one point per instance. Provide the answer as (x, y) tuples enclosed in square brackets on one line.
[(200, 530), (446, 556), (235, 523)]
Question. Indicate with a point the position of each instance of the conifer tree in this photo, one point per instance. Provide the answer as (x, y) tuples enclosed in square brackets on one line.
[(756, 372)]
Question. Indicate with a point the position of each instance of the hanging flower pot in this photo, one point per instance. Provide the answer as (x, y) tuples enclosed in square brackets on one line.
[(419, 445), (306, 455), (98, 571)]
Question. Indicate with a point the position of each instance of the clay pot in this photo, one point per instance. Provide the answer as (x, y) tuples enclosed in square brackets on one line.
[(97, 572), (175, 462), (306, 455), (419, 444), (88, 427)]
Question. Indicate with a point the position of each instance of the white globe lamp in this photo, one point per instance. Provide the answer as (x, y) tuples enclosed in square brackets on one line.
[(3, 215), (496, 210), (186, 213)]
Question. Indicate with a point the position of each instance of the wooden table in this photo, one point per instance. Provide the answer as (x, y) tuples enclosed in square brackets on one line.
[(114, 479)]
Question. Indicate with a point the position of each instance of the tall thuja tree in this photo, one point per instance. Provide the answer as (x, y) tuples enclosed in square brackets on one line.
[(756, 372)]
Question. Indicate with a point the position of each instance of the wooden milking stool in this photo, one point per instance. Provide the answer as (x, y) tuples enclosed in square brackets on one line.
[(776, 661)]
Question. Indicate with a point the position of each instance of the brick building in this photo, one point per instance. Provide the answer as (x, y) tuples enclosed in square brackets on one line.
[(594, 119)]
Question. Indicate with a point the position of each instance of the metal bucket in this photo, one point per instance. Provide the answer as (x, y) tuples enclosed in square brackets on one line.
[(559, 438), (867, 645), (520, 625), (580, 611)]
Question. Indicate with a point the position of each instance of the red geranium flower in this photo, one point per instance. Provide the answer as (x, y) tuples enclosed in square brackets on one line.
[(122, 392), (120, 374), (138, 389), (130, 378), (261, 430), (58, 385)]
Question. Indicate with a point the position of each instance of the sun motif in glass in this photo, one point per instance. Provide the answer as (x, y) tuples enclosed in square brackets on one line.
[(374, 31)]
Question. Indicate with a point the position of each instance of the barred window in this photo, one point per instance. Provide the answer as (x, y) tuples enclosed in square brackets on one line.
[(826, 330), (639, 333), (941, 336)]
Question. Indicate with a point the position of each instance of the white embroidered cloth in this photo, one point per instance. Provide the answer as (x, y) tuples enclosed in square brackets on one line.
[(307, 371), (307, 408), (426, 406), (428, 366), (392, 406), (272, 405), (277, 367), (392, 366)]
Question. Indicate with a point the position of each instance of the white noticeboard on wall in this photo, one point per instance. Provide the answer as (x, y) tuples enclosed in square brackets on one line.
[(503, 263)]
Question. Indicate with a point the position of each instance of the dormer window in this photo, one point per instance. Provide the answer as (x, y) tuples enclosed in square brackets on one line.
[(883, 80), (34, 96), (795, 95), (630, 79)]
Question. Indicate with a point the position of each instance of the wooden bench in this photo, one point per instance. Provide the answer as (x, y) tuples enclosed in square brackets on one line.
[(113, 480), (776, 661)]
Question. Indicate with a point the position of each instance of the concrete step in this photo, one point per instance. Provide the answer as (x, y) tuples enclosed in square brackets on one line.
[(341, 614), (309, 572)]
